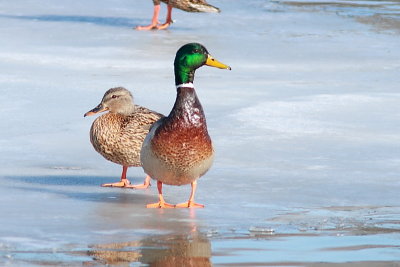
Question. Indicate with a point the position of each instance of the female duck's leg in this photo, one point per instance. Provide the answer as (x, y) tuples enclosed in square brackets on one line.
[(154, 20), (161, 203), (191, 203), (168, 21), (123, 183)]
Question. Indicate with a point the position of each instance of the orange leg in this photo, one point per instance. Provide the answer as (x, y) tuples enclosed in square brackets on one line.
[(161, 203), (191, 203), (154, 20), (168, 21), (123, 183), (145, 184)]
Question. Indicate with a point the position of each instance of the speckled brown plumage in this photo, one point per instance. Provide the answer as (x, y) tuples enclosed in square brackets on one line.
[(189, 5), (119, 138), (118, 135)]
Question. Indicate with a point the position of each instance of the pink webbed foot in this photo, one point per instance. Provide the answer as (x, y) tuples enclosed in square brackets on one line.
[(122, 183)]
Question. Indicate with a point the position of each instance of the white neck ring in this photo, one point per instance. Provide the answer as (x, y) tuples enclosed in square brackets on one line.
[(187, 85)]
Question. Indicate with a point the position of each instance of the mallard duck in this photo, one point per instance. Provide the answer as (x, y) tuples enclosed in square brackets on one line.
[(185, 5), (118, 135), (178, 149)]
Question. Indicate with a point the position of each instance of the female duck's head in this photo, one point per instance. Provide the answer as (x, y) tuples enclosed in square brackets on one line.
[(191, 57), (116, 100)]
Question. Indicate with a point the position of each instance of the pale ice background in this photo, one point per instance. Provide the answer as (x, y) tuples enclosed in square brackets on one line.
[(305, 127)]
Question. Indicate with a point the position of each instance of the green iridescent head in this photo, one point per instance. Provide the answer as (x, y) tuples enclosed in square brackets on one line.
[(191, 57)]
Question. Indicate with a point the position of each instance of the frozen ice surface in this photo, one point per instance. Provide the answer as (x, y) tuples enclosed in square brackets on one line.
[(305, 127)]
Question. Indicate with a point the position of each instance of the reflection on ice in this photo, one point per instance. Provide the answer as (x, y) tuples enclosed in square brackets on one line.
[(161, 250)]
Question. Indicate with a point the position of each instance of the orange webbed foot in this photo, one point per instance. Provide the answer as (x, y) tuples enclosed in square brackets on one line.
[(145, 184), (160, 205), (138, 186), (189, 204)]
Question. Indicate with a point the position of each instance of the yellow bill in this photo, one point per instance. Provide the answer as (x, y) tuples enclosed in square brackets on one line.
[(215, 63)]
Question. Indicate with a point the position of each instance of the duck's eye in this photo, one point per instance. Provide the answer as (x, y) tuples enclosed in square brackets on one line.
[(114, 96), (196, 51)]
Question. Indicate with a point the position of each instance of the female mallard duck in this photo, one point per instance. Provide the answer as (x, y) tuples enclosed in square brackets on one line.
[(185, 5), (118, 135), (178, 149)]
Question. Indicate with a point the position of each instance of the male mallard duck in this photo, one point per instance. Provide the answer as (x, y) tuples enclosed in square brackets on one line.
[(178, 149), (118, 135), (185, 5)]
